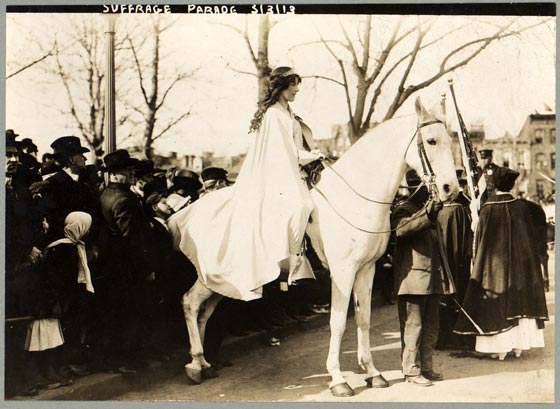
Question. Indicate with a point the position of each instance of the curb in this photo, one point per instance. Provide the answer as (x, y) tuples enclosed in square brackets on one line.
[(102, 386)]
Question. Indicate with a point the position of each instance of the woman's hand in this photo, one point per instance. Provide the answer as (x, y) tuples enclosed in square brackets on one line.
[(319, 155)]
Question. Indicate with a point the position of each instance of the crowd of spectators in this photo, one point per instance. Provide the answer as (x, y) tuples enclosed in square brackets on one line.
[(93, 282)]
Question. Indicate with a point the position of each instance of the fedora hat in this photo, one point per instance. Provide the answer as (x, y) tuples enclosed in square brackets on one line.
[(11, 144), (67, 146), (11, 133), (118, 160)]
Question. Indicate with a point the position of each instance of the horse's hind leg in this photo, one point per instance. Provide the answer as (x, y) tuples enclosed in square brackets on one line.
[(192, 302), (206, 311), (362, 314)]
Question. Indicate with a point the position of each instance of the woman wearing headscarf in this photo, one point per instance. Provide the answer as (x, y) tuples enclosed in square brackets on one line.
[(62, 283), (504, 304)]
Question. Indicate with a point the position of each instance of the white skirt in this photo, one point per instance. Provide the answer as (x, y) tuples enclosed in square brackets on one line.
[(524, 336), (44, 334)]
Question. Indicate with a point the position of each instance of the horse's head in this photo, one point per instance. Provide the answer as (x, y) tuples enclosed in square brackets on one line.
[(432, 137)]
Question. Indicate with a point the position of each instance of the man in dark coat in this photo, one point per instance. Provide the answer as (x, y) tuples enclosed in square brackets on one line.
[(65, 191), (128, 268), (22, 228), (420, 280)]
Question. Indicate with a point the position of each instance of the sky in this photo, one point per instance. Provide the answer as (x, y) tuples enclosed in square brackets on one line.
[(505, 83)]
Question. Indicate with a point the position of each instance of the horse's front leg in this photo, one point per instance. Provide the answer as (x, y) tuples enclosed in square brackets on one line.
[(362, 314), (340, 298), (192, 302)]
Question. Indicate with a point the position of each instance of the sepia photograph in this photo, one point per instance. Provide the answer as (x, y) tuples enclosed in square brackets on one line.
[(284, 203)]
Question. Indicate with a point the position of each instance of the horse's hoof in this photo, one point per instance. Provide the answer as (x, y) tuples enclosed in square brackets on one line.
[(209, 373), (377, 381), (193, 375), (342, 390)]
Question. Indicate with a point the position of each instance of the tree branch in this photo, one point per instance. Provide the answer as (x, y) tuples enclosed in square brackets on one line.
[(139, 68), (323, 78), (171, 125)]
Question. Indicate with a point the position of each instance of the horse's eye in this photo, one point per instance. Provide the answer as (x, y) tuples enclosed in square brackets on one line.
[(431, 141)]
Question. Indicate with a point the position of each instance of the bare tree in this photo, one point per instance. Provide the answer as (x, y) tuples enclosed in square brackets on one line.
[(259, 53), (75, 63), (389, 70), (155, 86)]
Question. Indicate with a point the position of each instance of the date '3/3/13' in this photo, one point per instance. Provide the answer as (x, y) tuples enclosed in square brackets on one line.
[(272, 9)]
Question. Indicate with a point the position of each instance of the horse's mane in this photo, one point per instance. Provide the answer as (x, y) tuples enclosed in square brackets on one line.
[(381, 134)]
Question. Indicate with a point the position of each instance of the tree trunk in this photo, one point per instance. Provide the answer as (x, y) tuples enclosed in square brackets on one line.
[(263, 68)]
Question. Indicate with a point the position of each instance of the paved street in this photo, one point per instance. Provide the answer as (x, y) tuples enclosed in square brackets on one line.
[(295, 371)]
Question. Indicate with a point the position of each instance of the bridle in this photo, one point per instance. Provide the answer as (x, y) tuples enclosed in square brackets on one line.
[(428, 176)]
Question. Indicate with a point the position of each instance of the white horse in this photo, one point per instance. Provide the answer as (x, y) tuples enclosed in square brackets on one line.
[(349, 230)]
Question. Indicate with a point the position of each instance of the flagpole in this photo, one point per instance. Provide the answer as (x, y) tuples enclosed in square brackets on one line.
[(470, 161)]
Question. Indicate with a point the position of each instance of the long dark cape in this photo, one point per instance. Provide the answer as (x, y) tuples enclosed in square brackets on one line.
[(506, 279)]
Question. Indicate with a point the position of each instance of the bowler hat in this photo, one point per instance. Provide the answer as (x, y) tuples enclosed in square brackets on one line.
[(67, 146), (412, 178), (118, 160), (188, 179), (485, 153), (154, 198), (212, 174), (28, 143), (155, 186), (143, 168)]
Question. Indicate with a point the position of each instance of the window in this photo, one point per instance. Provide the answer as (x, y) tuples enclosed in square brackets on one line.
[(507, 158), (540, 188), (539, 135), (540, 161), (553, 160), (553, 135)]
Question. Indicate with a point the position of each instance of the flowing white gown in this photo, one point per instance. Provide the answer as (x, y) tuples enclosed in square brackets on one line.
[(237, 236)]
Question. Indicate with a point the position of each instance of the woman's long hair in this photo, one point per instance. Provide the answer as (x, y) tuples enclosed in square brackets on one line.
[(278, 82)]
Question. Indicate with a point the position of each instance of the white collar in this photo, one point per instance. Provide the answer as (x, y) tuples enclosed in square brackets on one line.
[(73, 176)]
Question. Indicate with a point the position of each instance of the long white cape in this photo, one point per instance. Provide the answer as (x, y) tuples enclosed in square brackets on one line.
[(236, 236)]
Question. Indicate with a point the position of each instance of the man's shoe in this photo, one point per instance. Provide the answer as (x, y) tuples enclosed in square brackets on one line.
[(432, 376), (418, 380)]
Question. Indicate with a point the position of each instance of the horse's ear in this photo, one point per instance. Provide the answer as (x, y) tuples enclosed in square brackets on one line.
[(420, 110)]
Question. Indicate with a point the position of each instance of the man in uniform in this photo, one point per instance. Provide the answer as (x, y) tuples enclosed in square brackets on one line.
[(420, 280), (488, 167)]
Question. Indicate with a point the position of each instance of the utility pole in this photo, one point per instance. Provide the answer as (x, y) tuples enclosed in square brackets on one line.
[(110, 131)]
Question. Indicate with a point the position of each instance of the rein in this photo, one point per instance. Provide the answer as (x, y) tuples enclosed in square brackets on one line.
[(426, 167)]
